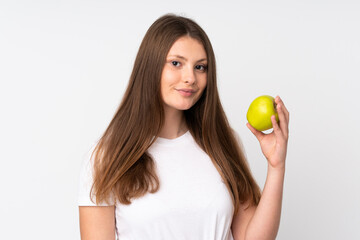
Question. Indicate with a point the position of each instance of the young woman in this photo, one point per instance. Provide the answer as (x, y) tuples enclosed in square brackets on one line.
[(169, 166)]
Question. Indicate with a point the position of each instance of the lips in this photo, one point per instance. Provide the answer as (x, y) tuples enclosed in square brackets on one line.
[(187, 90)]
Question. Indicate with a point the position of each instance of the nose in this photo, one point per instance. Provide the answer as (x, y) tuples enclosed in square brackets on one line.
[(189, 76)]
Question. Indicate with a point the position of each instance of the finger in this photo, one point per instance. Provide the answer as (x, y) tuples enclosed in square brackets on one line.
[(283, 121), (279, 101), (276, 127), (257, 133), (287, 116)]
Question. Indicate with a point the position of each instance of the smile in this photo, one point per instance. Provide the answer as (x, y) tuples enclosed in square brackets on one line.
[(186, 92)]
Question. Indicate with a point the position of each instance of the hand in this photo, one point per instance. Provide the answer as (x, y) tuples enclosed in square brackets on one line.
[(274, 144)]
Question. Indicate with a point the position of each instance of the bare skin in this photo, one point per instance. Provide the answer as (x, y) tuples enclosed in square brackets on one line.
[(97, 223), (184, 69), (262, 222)]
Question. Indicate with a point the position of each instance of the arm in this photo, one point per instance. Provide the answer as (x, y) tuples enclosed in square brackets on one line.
[(262, 221), (97, 223)]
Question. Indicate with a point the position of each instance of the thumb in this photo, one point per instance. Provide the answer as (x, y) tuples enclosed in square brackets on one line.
[(258, 134)]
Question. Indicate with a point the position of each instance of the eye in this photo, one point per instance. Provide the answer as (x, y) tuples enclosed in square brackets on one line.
[(201, 68), (175, 63)]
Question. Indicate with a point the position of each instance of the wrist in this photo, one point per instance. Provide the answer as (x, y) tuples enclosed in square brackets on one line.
[(279, 169)]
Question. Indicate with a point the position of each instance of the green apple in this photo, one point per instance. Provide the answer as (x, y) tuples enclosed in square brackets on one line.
[(260, 112)]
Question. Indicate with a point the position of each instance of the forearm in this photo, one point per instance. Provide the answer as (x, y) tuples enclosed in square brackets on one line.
[(266, 220)]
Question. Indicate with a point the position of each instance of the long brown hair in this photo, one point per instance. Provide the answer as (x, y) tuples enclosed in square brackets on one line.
[(122, 167)]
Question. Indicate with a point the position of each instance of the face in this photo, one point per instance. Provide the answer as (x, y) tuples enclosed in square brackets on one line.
[(184, 76)]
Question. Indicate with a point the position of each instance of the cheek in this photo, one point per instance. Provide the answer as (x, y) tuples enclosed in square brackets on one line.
[(202, 86), (203, 82), (167, 83), (168, 77), (163, 81)]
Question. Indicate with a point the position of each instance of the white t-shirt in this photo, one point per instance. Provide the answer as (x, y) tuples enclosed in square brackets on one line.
[(192, 202)]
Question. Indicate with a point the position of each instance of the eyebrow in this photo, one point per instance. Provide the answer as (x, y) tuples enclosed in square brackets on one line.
[(184, 58)]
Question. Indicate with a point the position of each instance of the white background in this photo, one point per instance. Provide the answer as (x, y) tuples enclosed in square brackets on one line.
[(64, 66)]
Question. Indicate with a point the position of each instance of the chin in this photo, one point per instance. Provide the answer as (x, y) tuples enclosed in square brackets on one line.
[(184, 108), (181, 107)]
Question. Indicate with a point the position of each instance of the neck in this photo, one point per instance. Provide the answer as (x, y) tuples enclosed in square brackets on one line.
[(174, 125)]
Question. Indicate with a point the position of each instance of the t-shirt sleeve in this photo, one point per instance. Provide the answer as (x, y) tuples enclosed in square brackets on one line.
[(86, 181)]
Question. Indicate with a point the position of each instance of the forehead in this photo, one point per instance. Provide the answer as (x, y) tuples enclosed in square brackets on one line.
[(188, 47)]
